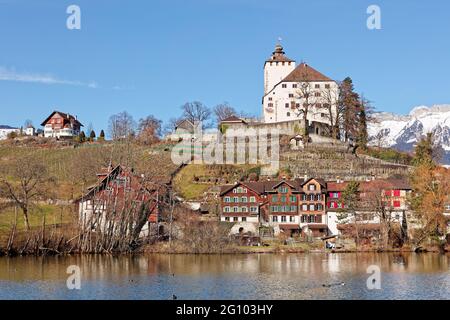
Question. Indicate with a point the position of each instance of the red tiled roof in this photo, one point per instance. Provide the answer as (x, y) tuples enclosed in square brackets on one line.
[(232, 119), (386, 184), (305, 73), (67, 116), (264, 186), (289, 226), (316, 226)]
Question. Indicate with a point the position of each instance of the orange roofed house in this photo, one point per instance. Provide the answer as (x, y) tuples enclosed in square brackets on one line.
[(61, 125)]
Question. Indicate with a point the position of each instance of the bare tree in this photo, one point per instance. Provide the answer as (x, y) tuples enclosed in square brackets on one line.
[(24, 183), (171, 125), (121, 126), (223, 111), (334, 111), (196, 112), (308, 98), (149, 130)]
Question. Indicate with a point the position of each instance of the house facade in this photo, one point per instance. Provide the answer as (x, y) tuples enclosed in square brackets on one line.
[(289, 206), (375, 198), (313, 207), (61, 125), (288, 88), (241, 202), (6, 130)]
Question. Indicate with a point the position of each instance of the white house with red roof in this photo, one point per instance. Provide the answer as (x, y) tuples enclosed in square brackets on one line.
[(285, 85)]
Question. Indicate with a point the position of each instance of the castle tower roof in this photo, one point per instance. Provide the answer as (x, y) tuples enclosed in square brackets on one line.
[(279, 55)]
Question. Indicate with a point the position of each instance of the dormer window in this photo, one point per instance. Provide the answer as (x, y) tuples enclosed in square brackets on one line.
[(312, 187)]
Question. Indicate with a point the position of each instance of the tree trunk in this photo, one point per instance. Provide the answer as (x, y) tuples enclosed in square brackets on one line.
[(25, 218)]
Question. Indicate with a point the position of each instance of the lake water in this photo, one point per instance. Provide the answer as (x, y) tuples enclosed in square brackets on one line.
[(264, 276)]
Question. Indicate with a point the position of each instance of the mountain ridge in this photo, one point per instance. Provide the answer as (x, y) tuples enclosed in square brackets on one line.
[(402, 132)]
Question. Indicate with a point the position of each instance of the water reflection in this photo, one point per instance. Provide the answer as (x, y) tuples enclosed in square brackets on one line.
[(264, 276)]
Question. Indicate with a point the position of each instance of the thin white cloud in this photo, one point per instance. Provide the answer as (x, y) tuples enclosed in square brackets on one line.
[(10, 74)]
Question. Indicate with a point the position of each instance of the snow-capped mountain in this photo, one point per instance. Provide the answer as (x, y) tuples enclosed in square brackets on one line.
[(403, 131)]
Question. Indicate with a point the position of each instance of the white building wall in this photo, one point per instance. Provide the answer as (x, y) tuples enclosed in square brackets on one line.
[(239, 219), (278, 97), (4, 133), (274, 72)]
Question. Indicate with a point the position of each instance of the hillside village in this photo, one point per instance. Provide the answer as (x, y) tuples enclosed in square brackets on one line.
[(330, 190)]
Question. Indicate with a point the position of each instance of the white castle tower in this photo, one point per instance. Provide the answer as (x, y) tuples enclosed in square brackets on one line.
[(276, 68)]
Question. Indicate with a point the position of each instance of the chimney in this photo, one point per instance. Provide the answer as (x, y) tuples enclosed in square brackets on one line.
[(305, 177)]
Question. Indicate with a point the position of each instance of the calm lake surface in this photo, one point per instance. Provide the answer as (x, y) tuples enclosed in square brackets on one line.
[(265, 276)]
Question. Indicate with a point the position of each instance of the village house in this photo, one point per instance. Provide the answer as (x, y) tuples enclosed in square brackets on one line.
[(312, 207), (5, 131), (375, 198), (61, 125), (288, 206), (120, 189)]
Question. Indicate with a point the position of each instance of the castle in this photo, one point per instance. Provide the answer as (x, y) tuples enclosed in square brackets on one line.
[(292, 91)]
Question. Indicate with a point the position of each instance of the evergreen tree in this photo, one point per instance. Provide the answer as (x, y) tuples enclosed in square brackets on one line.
[(349, 104), (81, 137), (92, 136), (424, 152), (364, 116), (102, 136)]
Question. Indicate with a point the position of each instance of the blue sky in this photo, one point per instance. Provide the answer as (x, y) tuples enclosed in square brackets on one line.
[(149, 57)]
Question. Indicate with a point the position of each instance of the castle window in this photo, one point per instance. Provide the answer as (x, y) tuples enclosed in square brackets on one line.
[(317, 94), (291, 95), (294, 85), (286, 105), (322, 115), (318, 105), (270, 105), (284, 85), (288, 114), (327, 86), (317, 86), (270, 98)]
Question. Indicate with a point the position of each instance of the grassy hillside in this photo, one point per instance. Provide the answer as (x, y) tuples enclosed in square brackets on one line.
[(74, 168)]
